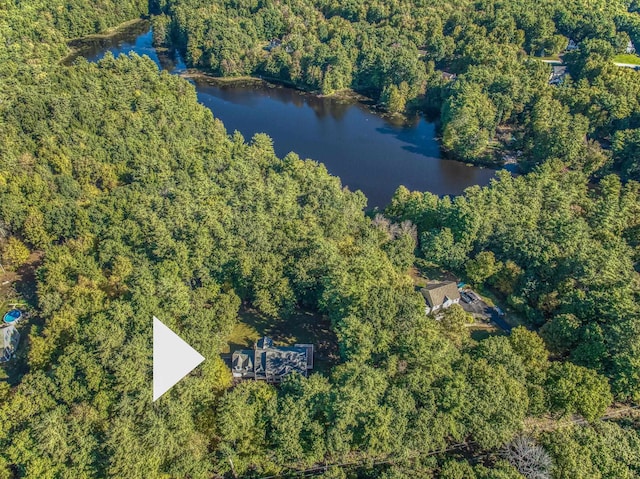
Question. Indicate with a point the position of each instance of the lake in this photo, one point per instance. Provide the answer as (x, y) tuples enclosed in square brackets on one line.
[(367, 151)]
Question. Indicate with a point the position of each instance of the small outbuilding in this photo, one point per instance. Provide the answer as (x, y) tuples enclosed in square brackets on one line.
[(440, 296), (631, 48), (9, 339)]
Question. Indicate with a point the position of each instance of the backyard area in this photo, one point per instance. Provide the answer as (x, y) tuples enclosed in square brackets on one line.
[(425, 272), (302, 327), (482, 331), (18, 290)]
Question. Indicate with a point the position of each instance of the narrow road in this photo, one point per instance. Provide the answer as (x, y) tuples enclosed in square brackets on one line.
[(618, 64)]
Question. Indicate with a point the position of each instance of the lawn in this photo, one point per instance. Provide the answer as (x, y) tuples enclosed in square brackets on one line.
[(482, 332), (627, 58), (303, 327), (424, 271), (419, 280)]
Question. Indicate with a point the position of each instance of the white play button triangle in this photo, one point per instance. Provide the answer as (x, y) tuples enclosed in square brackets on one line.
[(173, 359)]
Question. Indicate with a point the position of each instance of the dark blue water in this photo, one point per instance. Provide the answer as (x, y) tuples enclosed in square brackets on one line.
[(368, 152)]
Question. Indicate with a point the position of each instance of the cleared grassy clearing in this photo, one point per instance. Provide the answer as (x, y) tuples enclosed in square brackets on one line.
[(304, 327), (627, 58)]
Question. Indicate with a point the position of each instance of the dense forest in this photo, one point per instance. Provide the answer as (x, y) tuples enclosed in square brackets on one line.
[(142, 204), (477, 62), (562, 254)]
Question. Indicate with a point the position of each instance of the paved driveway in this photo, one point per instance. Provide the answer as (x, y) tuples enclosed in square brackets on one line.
[(499, 321), (481, 310), (477, 308)]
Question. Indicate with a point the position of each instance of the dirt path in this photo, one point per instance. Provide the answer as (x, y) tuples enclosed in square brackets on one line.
[(616, 411)]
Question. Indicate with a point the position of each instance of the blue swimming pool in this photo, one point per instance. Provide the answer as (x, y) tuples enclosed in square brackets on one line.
[(12, 316)]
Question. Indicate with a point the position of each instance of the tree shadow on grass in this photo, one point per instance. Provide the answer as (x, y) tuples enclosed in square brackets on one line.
[(301, 327)]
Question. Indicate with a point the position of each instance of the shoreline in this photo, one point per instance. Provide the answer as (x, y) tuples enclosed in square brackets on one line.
[(346, 95), (76, 45), (111, 32)]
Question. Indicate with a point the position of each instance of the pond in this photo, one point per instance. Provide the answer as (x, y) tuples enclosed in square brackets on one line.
[(368, 151)]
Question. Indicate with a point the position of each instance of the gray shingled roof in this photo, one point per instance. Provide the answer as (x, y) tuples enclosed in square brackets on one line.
[(436, 293), (271, 362), (9, 338), (283, 361), (242, 361), (265, 343)]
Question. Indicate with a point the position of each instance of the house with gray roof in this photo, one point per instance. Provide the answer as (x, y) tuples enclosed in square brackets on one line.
[(572, 45), (9, 339), (630, 49), (449, 76), (440, 296), (558, 72), (267, 362)]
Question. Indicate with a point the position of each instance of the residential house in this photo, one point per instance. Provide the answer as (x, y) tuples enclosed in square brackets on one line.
[(558, 72), (572, 45), (266, 362), (449, 76), (9, 339), (631, 48), (274, 43), (440, 296)]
